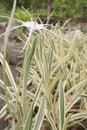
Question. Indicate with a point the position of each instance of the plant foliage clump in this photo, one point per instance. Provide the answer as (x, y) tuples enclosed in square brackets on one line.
[(53, 79)]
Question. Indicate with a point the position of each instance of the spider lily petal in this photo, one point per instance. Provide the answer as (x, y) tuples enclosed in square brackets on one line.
[(33, 25)]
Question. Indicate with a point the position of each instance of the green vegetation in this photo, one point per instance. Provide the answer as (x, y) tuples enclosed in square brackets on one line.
[(3, 10), (61, 8), (53, 81)]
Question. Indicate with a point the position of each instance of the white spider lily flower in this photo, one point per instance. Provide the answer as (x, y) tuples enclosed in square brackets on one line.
[(33, 25)]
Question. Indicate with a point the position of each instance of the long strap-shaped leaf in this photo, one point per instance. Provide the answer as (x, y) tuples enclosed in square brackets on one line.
[(40, 115), (9, 73), (52, 123), (27, 64), (28, 123), (5, 48), (61, 106)]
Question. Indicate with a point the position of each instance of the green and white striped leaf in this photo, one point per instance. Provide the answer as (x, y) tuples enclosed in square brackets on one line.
[(9, 73), (52, 123), (28, 123), (27, 64), (61, 106), (40, 115)]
